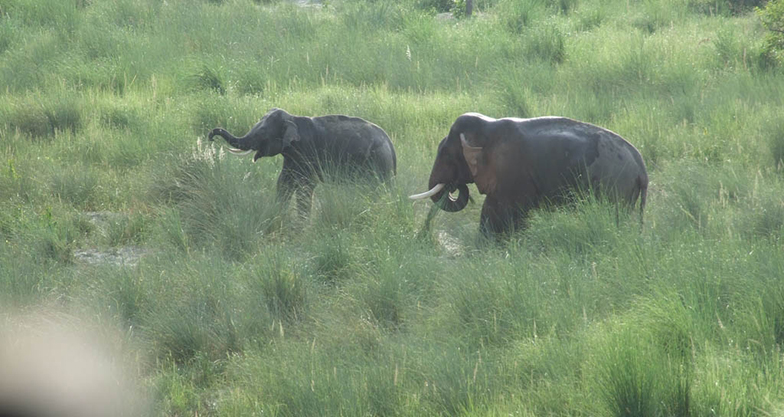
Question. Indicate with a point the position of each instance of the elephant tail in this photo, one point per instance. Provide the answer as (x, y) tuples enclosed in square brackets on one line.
[(642, 185)]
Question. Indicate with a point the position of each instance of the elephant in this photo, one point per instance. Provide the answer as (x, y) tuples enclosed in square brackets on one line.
[(315, 149), (522, 164)]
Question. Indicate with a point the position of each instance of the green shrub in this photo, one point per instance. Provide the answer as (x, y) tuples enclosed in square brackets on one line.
[(772, 16), (728, 48)]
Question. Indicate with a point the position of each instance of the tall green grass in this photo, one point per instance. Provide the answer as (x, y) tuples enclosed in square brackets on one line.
[(238, 306)]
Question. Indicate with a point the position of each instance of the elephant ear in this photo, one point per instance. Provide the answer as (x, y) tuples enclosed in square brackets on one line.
[(478, 164), (291, 134)]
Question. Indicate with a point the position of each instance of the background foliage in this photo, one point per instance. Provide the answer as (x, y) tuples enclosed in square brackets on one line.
[(229, 305)]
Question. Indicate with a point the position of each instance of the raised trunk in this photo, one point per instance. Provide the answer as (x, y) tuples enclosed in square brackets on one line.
[(233, 141)]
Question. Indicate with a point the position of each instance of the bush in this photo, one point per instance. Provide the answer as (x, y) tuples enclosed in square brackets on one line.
[(772, 16)]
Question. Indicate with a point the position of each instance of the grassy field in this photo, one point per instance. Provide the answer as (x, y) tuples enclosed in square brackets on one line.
[(230, 306)]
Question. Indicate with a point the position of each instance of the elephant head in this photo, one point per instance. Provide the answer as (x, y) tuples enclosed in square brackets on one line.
[(461, 159), (275, 132)]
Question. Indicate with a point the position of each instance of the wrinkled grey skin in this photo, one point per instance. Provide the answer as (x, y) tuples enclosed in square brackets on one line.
[(315, 149), (520, 164)]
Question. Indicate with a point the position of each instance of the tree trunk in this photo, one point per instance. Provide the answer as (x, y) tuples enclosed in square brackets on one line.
[(469, 7)]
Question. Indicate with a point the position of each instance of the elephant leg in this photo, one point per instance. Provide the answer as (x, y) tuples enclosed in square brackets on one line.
[(287, 186), (498, 218), (292, 181), (491, 221)]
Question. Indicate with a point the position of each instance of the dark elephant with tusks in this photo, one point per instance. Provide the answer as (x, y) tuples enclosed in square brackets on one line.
[(521, 164), (333, 147)]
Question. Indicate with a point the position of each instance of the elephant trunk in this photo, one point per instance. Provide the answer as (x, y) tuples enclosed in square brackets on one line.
[(444, 200), (233, 141)]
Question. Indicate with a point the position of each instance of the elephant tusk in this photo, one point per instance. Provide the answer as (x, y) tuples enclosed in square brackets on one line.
[(239, 152), (427, 194)]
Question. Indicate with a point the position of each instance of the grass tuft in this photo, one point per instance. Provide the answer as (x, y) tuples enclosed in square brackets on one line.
[(519, 15), (775, 134), (40, 119), (333, 261), (30, 120), (283, 288), (384, 298), (79, 186), (547, 44), (209, 79), (219, 202), (634, 380), (130, 229)]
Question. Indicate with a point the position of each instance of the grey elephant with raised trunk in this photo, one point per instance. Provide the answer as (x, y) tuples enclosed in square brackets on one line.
[(314, 149), (522, 164)]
